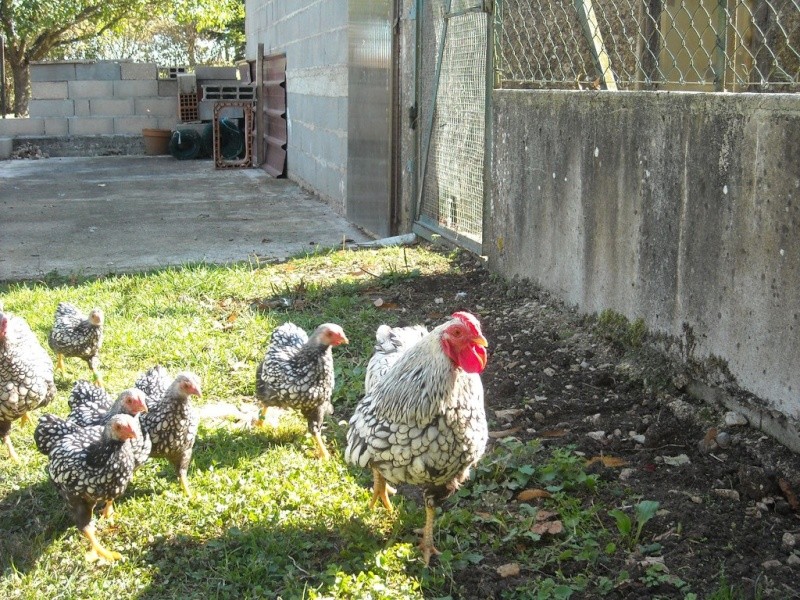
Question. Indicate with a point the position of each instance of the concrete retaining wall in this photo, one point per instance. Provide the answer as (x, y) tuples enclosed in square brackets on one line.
[(680, 209), (87, 99), (313, 35)]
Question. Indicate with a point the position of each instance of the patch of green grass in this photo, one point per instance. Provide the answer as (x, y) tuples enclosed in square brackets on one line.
[(267, 519), (617, 328)]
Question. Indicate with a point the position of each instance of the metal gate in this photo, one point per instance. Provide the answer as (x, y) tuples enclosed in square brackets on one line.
[(453, 60)]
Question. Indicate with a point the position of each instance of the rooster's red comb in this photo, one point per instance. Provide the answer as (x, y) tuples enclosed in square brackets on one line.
[(469, 320)]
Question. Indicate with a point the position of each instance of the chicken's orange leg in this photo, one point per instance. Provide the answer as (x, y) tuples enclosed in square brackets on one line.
[(60, 362), (24, 419), (12, 454), (381, 489), (97, 549), (108, 509), (322, 451), (426, 543)]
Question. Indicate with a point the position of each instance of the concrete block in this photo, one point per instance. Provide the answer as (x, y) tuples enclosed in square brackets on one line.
[(167, 122), (49, 90), (82, 107), (56, 126), (187, 83), (205, 110), (22, 127), (91, 125), (111, 107), (106, 70), (6, 146), (139, 71), (168, 87), (135, 88), (156, 107), (43, 71), (90, 89), (207, 72), (134, 125), (51, 108)]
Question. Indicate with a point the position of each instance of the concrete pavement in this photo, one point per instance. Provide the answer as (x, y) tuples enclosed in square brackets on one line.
[(98, 215)]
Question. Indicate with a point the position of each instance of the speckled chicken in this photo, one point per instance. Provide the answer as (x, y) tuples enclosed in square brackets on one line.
[(90, 405), (423, 422), (391, 344), (171, 422), (297, 372), (78, 335), (154, 382), (26, 375), (89, 466)]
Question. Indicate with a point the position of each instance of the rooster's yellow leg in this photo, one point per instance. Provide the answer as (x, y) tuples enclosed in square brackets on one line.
[(322, 451), (60, 362), (426, 543), (97, 549), (24, 419), (108, 509), (381, 489), (185, 484), (12, 454)]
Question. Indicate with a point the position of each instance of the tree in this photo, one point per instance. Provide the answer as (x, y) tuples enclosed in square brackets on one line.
[(34, 28)]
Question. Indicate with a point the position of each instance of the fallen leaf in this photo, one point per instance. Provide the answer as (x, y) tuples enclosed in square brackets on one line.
[(544, 515), (553, 433), (484, 515), (532, 494), (676, 461), (232, 317), (503, 433), (788, 493), (508, 570), (548, 528), (611, 462)]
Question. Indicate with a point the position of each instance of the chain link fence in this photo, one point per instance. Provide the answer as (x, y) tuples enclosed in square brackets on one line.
[(704, 45)]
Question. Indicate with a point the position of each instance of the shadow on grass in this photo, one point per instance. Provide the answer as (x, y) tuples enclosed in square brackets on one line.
[(32, 517), (265, 561)]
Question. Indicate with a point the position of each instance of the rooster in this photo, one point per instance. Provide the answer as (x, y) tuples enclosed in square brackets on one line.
[(392, 343), (88, 465), (423, 423), (79, 335), (171, 422), (26, 375), (297, 372)]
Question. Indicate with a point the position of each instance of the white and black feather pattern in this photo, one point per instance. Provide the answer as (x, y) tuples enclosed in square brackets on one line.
[(73, 334), (154, 382), (26, 372), (423, 422), (90, 405), (297, 371), (87, 465), (391, 344), (172, 422)]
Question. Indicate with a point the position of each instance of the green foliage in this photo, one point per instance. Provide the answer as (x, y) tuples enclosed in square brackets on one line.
[(617, 328), (631, 528)]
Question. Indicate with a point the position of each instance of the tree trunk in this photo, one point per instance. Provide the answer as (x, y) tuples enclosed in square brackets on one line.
[(20, 72)]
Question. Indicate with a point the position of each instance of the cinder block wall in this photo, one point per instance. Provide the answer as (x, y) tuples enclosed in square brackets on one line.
[(314, 37), (95, 98), (680, 209)]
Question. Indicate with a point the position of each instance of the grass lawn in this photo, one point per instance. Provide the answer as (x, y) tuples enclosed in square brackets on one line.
[(267, 519)]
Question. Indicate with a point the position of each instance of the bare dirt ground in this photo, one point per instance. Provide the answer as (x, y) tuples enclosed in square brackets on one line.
[(728, 508)]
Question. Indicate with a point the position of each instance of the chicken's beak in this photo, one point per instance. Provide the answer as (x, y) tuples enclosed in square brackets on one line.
[(480, 341)]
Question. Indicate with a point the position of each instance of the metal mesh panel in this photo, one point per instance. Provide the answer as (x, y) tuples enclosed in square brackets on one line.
[(742, 45), (453, 114)]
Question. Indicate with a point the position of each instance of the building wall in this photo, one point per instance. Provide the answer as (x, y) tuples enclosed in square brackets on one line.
[(314, 37), (682, 209), (95, 98)]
